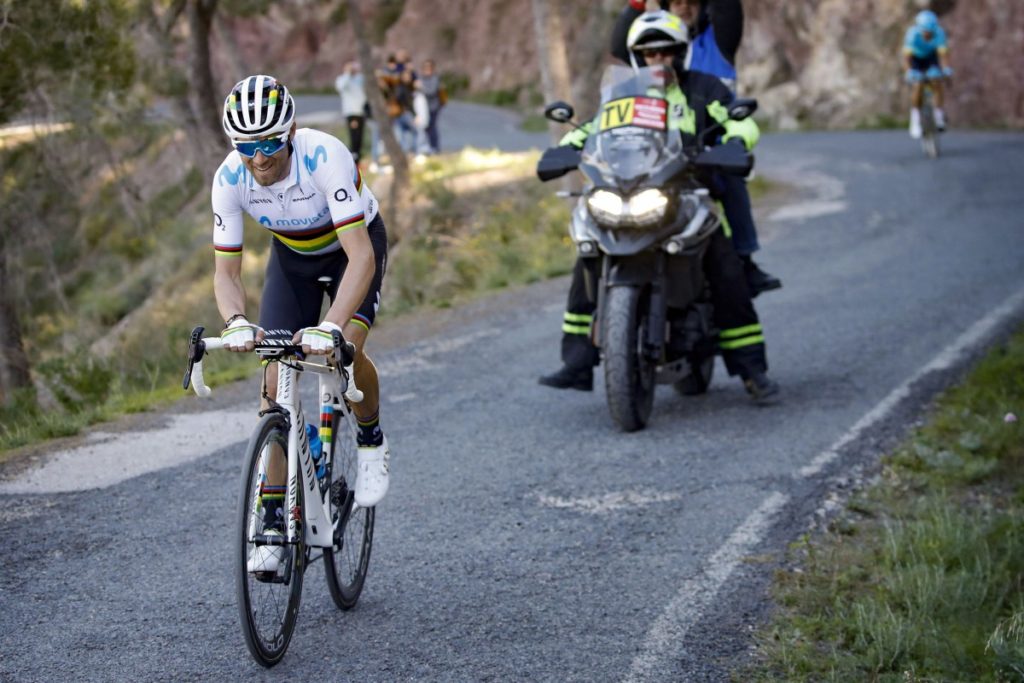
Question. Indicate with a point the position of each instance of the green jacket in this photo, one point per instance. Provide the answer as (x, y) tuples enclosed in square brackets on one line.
[(686, 113)]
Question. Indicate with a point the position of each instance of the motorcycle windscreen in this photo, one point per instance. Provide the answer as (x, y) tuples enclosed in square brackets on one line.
[(632, 136)]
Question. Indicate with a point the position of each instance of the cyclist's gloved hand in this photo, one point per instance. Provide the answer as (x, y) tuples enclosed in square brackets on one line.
[(947, 71), (318, 340), (241, 335)]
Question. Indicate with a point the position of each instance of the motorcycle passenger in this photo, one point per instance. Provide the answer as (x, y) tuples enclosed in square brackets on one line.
[(926, 60), (716, 28), (696, 101)]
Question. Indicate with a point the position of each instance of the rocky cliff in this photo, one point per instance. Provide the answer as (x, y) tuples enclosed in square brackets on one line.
[(831, 63)]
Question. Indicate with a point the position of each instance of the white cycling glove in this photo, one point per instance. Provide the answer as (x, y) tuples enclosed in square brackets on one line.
[(240, 335), (319, 340)]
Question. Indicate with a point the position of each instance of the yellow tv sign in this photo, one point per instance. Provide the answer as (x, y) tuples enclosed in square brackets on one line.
[(643, 112)]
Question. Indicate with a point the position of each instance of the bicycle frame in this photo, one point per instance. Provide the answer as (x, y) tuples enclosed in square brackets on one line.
[(335, 386), (316, 513)]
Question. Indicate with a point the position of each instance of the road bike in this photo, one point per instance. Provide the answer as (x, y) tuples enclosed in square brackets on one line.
[(929, 130), (321, 515)]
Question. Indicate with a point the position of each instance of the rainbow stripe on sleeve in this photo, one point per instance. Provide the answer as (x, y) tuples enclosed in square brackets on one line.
[(356, 221), (228, 250)]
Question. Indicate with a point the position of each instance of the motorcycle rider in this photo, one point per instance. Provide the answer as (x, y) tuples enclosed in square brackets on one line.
[(696, 101), (925, 58), (716, 28)]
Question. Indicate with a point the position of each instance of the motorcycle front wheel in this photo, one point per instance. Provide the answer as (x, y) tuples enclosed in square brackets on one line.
[(628, 374)]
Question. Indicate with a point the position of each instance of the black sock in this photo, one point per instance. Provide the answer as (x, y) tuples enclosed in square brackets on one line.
[(370, 433)]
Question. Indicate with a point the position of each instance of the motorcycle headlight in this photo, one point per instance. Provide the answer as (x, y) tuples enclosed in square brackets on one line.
[(642, 209), (605, 206), (647, 206)]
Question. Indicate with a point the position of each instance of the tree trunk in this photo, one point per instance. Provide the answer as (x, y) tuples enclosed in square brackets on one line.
[(203, 96), (164, 78), (552, 57), (592, 55), (400, 196), (14, 367)]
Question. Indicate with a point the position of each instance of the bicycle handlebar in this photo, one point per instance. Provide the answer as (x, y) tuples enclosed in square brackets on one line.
[(198, 346)]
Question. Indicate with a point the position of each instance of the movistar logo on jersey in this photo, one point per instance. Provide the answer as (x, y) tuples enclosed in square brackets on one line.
[(295, 222), (229, 176), (319, 154)]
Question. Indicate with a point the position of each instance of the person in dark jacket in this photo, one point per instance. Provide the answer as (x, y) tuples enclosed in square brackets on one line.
[(697, 101), (716, 29)]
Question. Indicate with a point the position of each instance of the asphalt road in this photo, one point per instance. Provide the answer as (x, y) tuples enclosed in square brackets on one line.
[(460, 124), (524, 538)]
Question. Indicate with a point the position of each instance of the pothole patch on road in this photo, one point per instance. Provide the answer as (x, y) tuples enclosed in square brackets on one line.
[(609, 502)]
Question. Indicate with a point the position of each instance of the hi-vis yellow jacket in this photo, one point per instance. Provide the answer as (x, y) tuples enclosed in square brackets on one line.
[(697, 97)]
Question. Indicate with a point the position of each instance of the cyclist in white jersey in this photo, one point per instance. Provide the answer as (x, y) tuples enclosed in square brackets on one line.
[(303, 186)]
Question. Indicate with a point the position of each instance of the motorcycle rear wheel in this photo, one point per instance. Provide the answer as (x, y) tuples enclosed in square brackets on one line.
[(628, 375)]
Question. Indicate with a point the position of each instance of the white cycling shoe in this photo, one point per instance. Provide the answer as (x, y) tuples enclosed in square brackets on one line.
[(266, 558), (372, 474), (940, 120)]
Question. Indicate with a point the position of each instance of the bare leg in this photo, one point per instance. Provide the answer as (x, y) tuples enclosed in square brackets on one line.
[(916, 95), (939, 92), (277, 467), (365, 373)]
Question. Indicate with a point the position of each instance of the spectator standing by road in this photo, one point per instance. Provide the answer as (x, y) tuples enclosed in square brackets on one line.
[(401, 111), (353, 106), (437, 97)]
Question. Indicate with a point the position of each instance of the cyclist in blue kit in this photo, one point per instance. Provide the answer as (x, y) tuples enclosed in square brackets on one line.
[(304, 187), (926, 61)]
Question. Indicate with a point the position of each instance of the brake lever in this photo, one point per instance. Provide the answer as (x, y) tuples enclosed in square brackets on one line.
[(196, 351)]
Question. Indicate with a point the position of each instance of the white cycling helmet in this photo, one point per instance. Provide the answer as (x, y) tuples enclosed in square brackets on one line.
[(258, 106), (657, 29)]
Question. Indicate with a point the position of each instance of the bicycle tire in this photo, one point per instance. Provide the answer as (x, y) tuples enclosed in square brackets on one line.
[(347, 562), (268, 609)]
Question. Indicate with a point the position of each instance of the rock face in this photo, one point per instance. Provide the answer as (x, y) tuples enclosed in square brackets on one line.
[(837, 63), (820, 63)]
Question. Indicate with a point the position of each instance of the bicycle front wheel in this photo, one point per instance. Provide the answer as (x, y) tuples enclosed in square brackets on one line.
[(268, 595), (349, 558)]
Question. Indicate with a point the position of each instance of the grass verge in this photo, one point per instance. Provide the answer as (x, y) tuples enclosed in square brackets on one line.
[(921, 577)]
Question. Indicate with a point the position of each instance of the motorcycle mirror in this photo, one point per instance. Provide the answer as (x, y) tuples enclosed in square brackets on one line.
[(561, 112), (742, 108)]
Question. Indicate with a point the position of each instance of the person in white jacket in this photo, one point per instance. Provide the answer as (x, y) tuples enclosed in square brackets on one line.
[(353, 105), (421, 119)]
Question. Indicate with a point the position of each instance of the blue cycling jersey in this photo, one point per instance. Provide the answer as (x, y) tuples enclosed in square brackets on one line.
[(915, 43)]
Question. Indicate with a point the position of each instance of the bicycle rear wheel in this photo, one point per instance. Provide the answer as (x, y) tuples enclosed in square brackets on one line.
[(268, 601), (349, 558)]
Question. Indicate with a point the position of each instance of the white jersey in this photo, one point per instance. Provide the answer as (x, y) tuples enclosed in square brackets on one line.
[(323, 195)]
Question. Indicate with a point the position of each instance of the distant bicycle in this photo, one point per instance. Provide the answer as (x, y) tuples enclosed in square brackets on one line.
[(930, 129), (322, 515)]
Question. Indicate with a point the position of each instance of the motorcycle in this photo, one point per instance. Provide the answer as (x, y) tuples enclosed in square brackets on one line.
[(642, 224)]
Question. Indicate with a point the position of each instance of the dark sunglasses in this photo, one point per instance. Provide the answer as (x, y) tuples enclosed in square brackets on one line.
[(662, 51), (269, 147)]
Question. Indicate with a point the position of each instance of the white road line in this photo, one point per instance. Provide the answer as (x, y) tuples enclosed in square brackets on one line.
[(944, 360), (665, 639)]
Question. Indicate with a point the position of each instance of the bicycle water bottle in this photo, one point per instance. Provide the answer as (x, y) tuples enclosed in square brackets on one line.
[(316, 449)]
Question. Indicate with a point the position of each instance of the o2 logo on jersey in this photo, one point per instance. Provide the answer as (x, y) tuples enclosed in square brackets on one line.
[(342, 195), (218, 221), (319, 154)]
